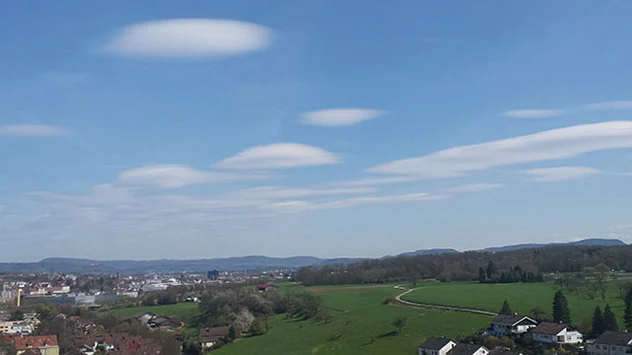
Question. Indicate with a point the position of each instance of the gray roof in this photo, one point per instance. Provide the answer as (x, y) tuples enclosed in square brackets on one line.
[(503, 351), (509, 319), (615, 338), (436, 343), (465, 349)]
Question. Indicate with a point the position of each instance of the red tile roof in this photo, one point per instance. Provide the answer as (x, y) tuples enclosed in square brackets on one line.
[(35, 341)]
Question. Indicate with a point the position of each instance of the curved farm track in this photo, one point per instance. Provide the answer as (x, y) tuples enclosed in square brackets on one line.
[(399, 300)]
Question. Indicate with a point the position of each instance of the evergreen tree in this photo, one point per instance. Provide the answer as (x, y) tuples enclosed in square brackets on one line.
[(561, 312), (598, 322), (491, 269), (610, 320), (481, 275), (506, 309), (627, 313)]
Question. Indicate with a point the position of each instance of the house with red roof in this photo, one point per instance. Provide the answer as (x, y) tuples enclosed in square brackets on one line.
[(39, 344)]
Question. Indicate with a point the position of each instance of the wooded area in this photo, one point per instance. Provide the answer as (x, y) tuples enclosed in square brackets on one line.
[(517, 265)]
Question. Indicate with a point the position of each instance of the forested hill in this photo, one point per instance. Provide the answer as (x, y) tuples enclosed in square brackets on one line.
[(472, 265), (253, 262)]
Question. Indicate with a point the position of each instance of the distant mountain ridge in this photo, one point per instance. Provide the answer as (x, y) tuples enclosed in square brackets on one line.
[(584, 242), (252, 262)]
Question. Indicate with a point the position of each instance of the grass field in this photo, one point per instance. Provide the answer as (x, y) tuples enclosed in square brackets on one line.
[(364, 324), (521, 297), (186, 311)]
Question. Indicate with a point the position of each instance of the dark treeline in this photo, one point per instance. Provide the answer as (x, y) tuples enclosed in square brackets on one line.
[(513, 275), (526, 265)]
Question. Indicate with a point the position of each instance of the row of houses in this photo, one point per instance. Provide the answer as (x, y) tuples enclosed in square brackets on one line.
[(549, 333), (26, 326), (544, 332)]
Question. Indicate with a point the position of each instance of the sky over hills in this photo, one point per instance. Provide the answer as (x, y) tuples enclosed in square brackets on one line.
[(151, 130)]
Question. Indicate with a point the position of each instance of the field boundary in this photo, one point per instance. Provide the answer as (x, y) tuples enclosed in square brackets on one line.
[(345, 289), (399, 299)]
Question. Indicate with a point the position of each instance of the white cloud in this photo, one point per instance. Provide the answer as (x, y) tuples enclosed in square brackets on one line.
[(189, 38), (339, 116), (175, 176), (287, 206), (278, 156), (280, 192), (421, 196), (294, 206), (472, 187), (560, 173), (549, 145), (32, 130), (533, 113), (377, 181), (610, 105), (544, 113)]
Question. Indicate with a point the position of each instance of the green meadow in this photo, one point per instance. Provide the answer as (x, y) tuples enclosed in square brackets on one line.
[(521, 297), (360, 324)]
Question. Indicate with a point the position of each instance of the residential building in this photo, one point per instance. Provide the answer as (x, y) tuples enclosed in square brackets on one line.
[(556, 333), (436, 346), (42, 344), (468, 349), (504, 351), (612, 343), (266, 287), (6, 327), (210, 336), (509, 325)]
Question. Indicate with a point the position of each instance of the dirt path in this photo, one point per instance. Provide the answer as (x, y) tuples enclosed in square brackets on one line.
[(399, 299), (345, 289)]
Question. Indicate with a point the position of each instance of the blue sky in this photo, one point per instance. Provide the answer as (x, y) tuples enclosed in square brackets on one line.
[(143, 130)]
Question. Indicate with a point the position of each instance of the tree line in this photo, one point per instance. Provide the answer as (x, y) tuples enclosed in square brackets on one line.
[(513, 275), (526, 265)]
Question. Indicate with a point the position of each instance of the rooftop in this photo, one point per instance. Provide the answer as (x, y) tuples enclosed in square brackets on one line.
[(213, 334), (549, 328), (615, 338), (508, 319), (464, 349), (436, 343), (35, 341)]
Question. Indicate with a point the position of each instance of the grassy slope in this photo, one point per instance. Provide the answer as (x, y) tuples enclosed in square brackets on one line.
[(521, 297), (365, 325)]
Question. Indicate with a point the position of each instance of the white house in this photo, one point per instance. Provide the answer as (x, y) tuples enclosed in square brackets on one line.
[(507, 325), (611, 343), (436, 346), (468, 349), (556, 333)]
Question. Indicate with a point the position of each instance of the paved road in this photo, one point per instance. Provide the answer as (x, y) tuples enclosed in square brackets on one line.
[(399, 299)]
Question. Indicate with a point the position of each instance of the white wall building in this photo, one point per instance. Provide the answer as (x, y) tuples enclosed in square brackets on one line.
[(612, 343), (436, 346), (556, 333), (506, 325)]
